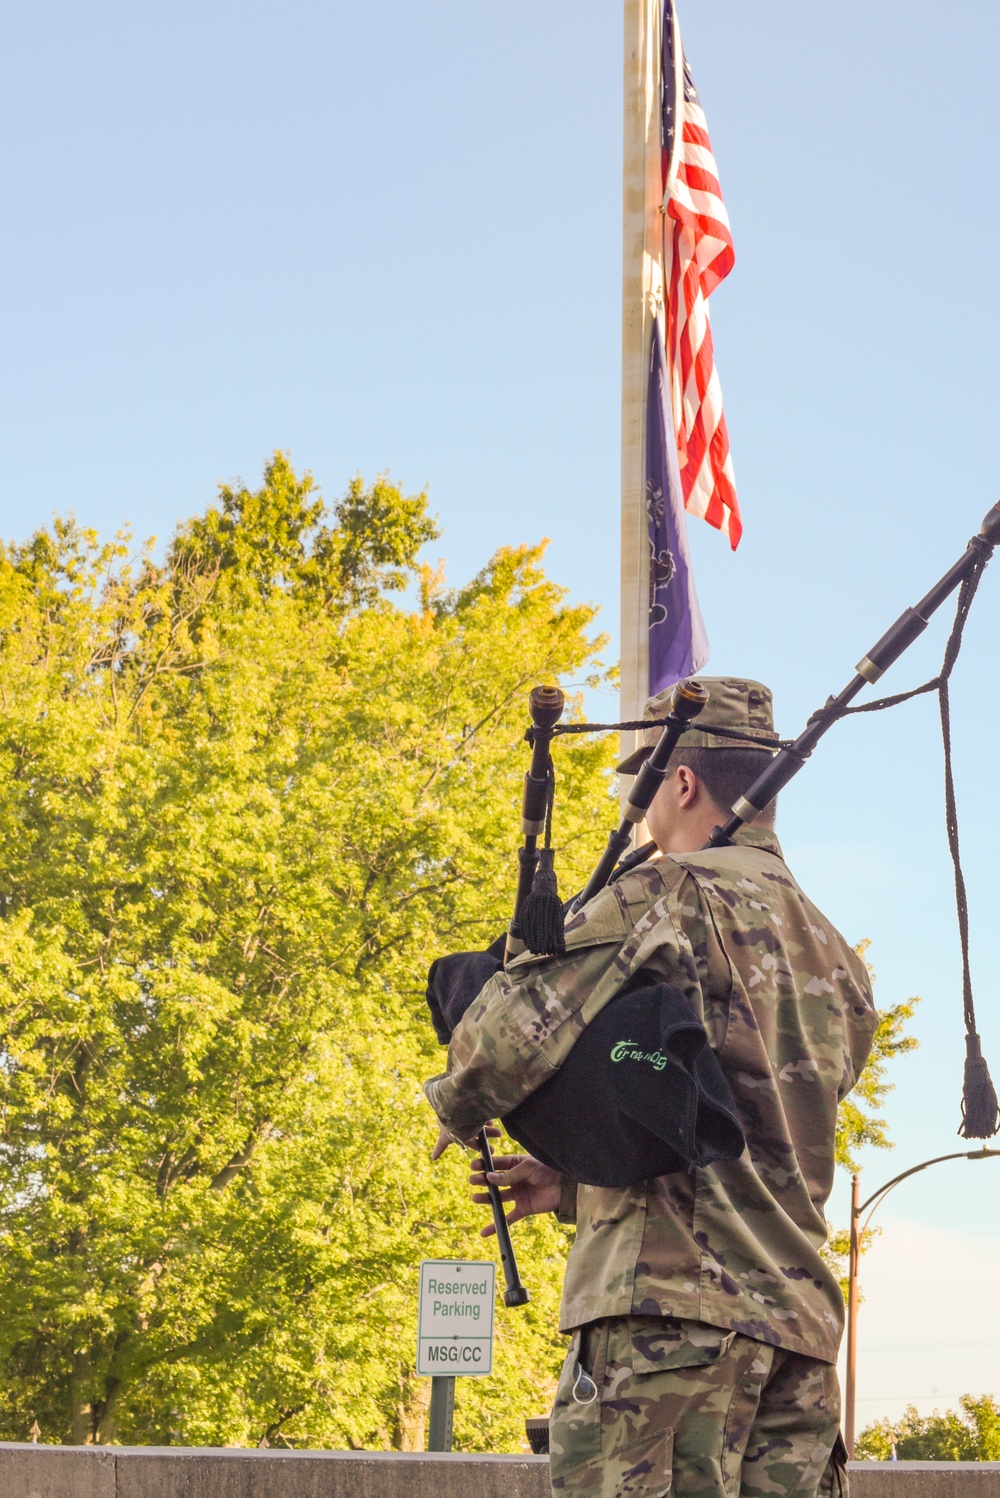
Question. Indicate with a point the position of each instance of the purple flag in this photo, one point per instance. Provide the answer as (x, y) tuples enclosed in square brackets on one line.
[(678, 644)]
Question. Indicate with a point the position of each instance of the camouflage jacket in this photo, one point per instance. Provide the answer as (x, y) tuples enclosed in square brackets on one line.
[(788, 1009)]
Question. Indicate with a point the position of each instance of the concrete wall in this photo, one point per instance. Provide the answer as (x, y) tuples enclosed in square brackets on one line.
[(179, 1472), (924, 1479), (189, 1472)]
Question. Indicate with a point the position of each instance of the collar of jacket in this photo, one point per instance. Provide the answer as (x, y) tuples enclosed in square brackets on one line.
[(749, 836)]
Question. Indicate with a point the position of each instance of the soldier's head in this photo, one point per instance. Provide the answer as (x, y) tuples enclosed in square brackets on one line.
[(707, 773)]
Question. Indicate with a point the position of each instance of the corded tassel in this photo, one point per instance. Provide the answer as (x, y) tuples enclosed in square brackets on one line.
[(541, 919), (980, 1110)]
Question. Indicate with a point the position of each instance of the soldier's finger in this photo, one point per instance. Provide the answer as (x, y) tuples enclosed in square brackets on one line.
[(502, 1162), (509, 1174), (505, 1162), (477, 1178)]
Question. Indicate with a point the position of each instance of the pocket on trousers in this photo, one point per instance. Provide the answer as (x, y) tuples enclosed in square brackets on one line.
[(661, 1344), (575, 1422), (643, 1469), (834, 1483)]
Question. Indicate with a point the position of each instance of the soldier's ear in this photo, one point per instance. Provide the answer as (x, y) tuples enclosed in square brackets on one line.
[(688, 786)]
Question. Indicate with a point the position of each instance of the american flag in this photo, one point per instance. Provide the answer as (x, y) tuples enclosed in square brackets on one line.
[(697, 255)]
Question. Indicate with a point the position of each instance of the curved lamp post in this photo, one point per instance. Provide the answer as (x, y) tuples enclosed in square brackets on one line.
[(857, 1233)]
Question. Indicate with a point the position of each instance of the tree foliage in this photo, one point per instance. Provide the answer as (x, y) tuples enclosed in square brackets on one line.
[(970, 1436), (245, 799), (857, 1127)]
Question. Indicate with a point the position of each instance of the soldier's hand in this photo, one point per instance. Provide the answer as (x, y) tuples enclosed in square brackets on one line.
[(444, 1139), (523, 1181)]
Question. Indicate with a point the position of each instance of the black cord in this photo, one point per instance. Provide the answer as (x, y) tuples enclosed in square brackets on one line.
[(965, 597), (763, 741), (939, 684)]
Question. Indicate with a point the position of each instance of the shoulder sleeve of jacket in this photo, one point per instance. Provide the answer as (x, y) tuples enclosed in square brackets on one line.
[(862, 1021), (526, 1020), (679, 954)]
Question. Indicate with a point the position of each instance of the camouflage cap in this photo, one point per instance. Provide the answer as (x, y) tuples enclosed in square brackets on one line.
[(732, 703)]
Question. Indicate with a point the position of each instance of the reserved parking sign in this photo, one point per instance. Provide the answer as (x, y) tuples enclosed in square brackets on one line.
[(455, 1319)]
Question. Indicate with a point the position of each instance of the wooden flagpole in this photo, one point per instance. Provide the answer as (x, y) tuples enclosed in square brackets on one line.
[(641, 293)]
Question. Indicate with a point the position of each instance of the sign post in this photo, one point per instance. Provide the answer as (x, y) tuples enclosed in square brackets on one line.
[(442, 1413), (454, 1334)]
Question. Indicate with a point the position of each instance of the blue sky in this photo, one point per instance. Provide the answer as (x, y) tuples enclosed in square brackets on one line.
[(388, 238)]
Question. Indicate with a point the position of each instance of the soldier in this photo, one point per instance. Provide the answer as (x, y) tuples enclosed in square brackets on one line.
[(705, 1324)]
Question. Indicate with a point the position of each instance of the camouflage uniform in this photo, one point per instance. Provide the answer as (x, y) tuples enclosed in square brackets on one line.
[(678, 1405), (730, 1253)]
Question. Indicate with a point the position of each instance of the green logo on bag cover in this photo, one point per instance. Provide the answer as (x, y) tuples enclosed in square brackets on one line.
[(625, 1051)]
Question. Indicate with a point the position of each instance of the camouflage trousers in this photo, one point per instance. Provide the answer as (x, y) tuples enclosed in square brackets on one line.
[(648, 1405)]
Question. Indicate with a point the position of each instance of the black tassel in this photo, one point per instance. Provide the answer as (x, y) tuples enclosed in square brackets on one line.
[(541, 918), (980, 1110)]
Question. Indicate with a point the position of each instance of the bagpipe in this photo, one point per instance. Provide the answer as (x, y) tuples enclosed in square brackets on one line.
[(581, 1121)]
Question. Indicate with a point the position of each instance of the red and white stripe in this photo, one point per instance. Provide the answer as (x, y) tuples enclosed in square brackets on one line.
[(697, 255)]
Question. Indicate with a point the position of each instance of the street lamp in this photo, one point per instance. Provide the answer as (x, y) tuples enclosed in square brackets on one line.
[(857, 1233)]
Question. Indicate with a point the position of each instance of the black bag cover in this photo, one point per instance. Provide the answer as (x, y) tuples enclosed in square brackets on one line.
[(641, 1094), (453, 982)]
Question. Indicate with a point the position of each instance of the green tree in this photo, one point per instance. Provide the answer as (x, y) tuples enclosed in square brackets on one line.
[(858, 1123), (971, 1436), (245, 799), (858, 1120)]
